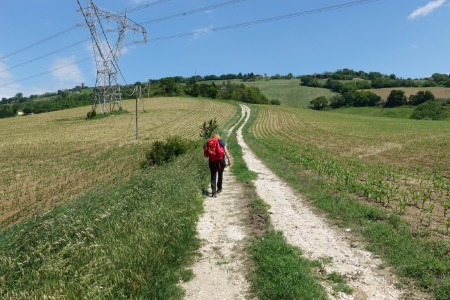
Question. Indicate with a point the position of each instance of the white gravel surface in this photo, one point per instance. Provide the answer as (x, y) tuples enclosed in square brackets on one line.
[(220, 271)]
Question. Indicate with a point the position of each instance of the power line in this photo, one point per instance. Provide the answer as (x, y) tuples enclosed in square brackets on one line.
[(183, 14), (228, 27), (39, 42), (46, 72), (132, 10), (71, 28), (267, 20), (44, 55), (148, 5)]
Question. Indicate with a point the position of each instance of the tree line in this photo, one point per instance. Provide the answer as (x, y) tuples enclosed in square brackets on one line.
[(36, 104), (164, 87), (353, 90), (371, 80), (171, 87)]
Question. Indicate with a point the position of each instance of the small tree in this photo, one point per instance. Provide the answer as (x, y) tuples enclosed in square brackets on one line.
[(396, 98), (319, 103), (337, 101), (421, 97), (208, 128)]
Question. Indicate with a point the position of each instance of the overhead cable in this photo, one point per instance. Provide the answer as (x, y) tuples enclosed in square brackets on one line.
[(293, 15), (39, 42), (288, 16), (44, 55), (183, 14), (147, 5), (46, 72), (137, 8)]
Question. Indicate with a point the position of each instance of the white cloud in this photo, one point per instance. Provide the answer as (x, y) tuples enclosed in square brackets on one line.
[(4, 73), (8, 88), (425, 10), (198, 32), (64, 69)]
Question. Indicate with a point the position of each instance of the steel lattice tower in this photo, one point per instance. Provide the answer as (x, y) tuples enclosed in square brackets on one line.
[(107, 88)]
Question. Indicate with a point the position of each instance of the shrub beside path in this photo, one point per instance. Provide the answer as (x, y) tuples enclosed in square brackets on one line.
[(220, 271)]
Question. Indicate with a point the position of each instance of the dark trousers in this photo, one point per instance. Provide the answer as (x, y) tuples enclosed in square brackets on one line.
[(216, 168)]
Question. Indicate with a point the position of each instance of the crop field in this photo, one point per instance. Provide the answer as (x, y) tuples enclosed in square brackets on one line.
[(397, 163), (49, 158), (438, 92)]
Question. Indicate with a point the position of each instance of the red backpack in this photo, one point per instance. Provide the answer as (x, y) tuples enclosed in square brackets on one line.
[(213, 150)]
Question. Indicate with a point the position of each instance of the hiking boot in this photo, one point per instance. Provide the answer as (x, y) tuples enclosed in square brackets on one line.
[(214, 194), (219, 191)]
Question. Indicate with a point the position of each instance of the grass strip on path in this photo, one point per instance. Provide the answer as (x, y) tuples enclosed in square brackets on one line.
[(279, 271), (132, 241), (413, 253)]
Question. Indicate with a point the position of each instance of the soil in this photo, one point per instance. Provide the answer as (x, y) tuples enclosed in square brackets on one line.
[(220, 272)]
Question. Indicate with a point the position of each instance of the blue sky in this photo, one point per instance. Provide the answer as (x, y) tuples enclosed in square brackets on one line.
[(408, 38)]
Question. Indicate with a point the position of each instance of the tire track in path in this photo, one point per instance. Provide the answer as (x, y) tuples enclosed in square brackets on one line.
[(219, 272), (302, 228)]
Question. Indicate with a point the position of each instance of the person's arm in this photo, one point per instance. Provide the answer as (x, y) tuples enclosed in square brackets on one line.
[(227, 155)]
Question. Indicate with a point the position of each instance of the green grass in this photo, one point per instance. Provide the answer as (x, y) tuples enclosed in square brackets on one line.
[(279, 271), (131, 241), (413, 256), (289, 92), (402, 112)]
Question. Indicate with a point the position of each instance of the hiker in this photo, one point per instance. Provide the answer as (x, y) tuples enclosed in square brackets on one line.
[(215, 148)]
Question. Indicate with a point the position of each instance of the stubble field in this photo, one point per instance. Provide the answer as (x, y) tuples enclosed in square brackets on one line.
[(50, 158)]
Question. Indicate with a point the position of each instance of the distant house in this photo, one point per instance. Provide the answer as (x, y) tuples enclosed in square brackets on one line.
[(20, 113)]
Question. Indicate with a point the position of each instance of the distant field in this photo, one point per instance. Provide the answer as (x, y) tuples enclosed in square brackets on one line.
[(289, 92), (403, 112), (438, 92), (48, 158), (397, 162)]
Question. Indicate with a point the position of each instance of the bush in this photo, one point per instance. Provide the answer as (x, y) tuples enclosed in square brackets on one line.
[(91, 114), (421, 97), (429, 110), (319, 103), (396, 98), (162, 152), (275, 102)]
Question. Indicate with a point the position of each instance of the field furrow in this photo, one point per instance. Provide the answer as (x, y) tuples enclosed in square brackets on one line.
[(399, 164), (49, 158)]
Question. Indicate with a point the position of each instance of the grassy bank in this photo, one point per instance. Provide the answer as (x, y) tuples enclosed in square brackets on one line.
[(127, 242), (418, 257), (279, 271)]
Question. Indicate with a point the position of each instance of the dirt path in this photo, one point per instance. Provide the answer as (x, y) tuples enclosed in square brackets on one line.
[(220, 273), (302, 228)]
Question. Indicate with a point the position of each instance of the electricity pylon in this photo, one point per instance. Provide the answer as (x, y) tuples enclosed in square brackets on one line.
[(107, 88)]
